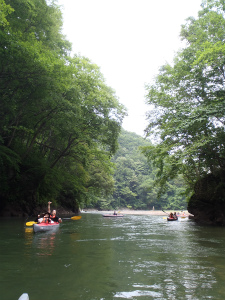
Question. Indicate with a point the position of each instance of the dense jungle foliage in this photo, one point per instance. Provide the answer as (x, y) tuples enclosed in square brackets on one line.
[(59, 121), (134, 180), (189, 113)]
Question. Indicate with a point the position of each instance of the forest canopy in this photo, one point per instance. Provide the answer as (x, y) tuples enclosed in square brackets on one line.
[(59, 121)]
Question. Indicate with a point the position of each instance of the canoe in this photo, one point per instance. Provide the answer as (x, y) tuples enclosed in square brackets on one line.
[(182, 215), (24, 296), (45, 226), (113, 216), (172, 219)]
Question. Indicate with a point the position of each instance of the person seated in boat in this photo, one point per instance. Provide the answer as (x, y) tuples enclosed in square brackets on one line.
[(37, 219), (171, 215), (46, 218), (54, 217), (40, 217), (175, 215), (115, 214)]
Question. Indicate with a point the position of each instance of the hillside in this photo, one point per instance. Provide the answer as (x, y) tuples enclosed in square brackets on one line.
[(134, 180)]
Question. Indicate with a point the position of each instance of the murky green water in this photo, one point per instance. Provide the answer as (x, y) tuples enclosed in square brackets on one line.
[(135, 257)]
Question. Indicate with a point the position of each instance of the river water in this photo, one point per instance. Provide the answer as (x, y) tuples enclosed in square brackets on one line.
[(134, 257)]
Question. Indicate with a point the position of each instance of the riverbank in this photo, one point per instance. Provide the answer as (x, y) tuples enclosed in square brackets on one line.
[(136, 212), (17, 212)]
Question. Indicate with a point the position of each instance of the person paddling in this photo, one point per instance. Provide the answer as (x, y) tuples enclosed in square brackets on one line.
[(171, 215)]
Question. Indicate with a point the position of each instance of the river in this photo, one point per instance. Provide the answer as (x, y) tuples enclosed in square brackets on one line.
[(134, 257)]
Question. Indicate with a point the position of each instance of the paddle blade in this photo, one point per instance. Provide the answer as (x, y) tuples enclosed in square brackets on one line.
[(30, 223), (76, 218)]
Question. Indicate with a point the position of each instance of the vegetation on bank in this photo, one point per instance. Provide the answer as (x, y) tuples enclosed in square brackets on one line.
[(59, 121), (134, 186), (189, 114)]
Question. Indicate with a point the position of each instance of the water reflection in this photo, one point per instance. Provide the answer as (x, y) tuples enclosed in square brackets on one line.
[(138, 293), (44, 243)]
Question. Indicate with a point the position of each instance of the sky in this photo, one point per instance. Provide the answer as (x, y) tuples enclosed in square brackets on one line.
[(129, 40)]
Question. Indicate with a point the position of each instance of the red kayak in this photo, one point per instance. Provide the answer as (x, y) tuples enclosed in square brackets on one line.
[(45, 226), (172, 219)]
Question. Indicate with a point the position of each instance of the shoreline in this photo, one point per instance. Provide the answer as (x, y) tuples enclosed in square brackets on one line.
[(136, 212)]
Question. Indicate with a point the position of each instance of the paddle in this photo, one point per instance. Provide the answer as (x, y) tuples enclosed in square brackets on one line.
[(165, 212), (30, 223), (76, 218), (73, 218)]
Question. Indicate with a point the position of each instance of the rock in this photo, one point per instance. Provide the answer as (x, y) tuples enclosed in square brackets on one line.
[(207, 204)]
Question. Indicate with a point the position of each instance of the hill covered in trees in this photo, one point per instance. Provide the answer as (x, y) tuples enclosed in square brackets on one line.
[(134, 180)]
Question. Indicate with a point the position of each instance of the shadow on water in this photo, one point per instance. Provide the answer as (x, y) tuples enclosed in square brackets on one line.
[(135, 257)]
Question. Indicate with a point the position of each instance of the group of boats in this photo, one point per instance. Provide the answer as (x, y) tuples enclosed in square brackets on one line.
[(174, 217), (171, 217), (42, 227)]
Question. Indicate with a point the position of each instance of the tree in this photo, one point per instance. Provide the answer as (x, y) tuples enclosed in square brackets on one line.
[(59, 121), (189, 102)]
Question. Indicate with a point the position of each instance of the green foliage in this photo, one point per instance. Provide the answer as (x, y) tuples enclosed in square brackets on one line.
[(5, 10), (188, 98), (134, 180), (59, 121)]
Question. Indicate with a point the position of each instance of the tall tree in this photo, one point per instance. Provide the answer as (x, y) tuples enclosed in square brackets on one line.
[(189, 102)]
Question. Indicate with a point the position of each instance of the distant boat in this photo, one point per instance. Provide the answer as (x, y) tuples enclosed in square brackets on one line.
[(172, 219), (112, 215), (182, 215)]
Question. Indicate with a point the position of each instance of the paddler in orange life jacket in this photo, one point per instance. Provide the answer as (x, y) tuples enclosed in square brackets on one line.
[(43, 218), (53, 215)]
